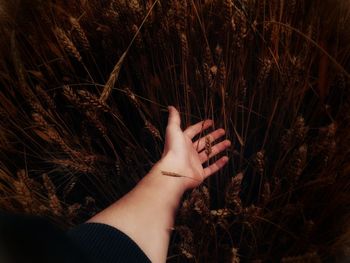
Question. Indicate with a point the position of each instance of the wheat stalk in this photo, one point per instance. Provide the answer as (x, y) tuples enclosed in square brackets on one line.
[(67, 44), (93, 101), (208, 149), (54, 202), (79, 34)]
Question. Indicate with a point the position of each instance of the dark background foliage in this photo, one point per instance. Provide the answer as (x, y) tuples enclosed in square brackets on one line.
[(84, 90)]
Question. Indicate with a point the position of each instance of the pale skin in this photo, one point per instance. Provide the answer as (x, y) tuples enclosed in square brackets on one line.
[(147, 213)]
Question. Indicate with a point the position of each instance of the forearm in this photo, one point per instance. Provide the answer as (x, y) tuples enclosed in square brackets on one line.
[(146, 214)]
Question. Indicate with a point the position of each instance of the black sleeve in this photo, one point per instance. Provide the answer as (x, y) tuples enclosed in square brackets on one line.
[(29, 239), (103, 243)]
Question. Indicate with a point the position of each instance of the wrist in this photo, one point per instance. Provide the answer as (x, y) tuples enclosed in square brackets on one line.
[(169, 188), (173, 171)]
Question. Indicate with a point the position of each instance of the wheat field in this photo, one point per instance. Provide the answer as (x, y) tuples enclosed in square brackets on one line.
[(85, 85)]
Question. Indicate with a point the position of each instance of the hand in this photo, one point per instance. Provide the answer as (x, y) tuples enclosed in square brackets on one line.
[(184, 157), (150, 207)]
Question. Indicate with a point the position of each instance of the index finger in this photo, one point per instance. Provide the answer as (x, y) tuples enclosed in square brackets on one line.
[(195, 129)]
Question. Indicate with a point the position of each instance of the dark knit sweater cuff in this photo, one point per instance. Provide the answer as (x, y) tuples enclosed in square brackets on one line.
[(103, 243)]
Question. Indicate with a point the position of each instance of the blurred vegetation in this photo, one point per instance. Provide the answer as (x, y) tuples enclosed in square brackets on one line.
[(84, 90)]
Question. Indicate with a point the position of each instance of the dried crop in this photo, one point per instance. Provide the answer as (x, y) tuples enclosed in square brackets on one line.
[(84, 91)]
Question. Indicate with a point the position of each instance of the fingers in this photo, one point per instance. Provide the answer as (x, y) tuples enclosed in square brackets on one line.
[(200, 144), (174, 116), (195, 129), (217, 148), (213, 168)]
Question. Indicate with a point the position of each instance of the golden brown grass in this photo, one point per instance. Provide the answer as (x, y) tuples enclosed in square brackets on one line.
[(84, 91)]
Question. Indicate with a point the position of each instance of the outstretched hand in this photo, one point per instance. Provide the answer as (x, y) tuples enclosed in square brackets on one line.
[(149, 208), (184, 157)]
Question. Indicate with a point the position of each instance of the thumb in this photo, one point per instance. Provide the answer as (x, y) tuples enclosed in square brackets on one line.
[(174, 116)]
